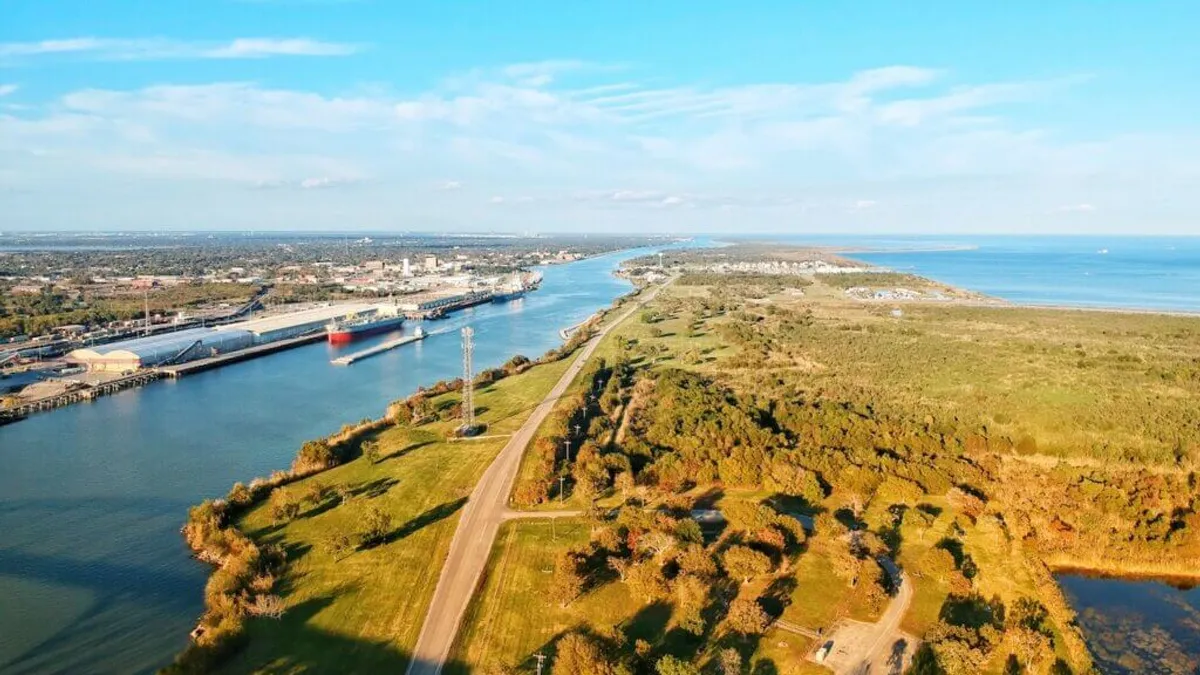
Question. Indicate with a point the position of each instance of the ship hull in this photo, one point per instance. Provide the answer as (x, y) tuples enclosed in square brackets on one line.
[(350, 333)]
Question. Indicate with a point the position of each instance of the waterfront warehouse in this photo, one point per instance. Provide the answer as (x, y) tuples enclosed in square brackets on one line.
[(155, 350), (198, 343), (295, 324)]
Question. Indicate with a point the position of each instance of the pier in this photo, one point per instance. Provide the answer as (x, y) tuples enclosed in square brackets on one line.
[(179, 370), (82, 393), (378, 349)]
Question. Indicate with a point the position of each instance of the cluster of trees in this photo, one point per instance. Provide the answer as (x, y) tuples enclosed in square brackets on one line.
[(581, 420), (661, 555), (239, 587), (1148, 520), (973, 630), (38, 314)]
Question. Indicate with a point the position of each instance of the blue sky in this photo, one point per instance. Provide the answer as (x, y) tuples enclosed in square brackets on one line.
[(866, 117)]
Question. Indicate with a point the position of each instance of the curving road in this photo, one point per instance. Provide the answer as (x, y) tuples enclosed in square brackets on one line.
[(485, 510)]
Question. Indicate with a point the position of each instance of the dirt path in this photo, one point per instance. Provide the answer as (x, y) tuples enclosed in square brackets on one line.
[(879, 648), (485, 510)]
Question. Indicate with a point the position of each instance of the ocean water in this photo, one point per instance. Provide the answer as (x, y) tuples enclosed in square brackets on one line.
[(1158, 273)]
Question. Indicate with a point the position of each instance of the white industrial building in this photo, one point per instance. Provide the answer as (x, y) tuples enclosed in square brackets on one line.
[(197, 343), (156, 350)]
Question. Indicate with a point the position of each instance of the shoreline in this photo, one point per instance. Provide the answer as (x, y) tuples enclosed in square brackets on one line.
[(985, 300)]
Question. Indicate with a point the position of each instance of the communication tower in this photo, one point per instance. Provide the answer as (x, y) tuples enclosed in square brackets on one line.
[(468, 391)]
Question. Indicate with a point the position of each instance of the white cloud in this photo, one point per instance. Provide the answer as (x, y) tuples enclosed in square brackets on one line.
[(1076, 208), (149, 49), (573, 142), (6, 89)]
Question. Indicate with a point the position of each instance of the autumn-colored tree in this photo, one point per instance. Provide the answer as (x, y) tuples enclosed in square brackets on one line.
[(691, 596), (282, 507), (845, 564), (338, 545), (730, 661), (1031, 647), (743, 562), (577, 654), (697, 561), (376, 525), (619, 565), (567, 582), (315, 492), (670, 665), (938, 563), (370, 452), (747, 617), (646, 580)]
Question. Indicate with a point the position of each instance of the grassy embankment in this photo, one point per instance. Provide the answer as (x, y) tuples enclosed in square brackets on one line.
[(362, 613)]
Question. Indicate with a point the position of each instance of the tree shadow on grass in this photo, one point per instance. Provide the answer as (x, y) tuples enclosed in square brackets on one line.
[(292, 644), (374, 488), (403, 452), (430, 517), (650, 623)]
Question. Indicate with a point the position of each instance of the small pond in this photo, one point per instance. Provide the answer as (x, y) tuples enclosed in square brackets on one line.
[(1137, 626)]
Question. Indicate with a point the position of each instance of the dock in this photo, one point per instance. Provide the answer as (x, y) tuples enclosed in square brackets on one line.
[(76, 395), (378, 349), (189, 367)]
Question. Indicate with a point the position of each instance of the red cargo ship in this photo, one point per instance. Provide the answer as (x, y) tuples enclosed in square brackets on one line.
[(341, 332)]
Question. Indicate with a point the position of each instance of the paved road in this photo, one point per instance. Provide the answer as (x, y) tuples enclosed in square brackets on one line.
[(481, 519)]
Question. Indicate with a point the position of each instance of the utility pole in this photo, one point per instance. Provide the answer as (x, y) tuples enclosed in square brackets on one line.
[(562, 489), (146, 298), (468, 394), (540, 657), (568, 442)]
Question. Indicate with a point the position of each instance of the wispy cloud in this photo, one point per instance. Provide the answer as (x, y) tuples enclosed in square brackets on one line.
[(6, 89), (150, 49)]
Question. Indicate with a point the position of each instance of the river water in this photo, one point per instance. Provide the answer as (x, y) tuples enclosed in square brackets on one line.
[(94, 576)]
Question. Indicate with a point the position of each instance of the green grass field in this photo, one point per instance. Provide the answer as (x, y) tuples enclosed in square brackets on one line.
[(510, 619), (363, 613)]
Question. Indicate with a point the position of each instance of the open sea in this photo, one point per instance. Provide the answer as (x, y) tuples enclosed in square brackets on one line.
[(1159, 273)]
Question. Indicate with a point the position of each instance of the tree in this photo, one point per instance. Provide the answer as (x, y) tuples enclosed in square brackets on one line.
[(370, 452), (282, 507), (577, 654), (338, 545), (567, 582), (1027, 613), (695, 560), (270, 606), (1030, 646), (315, 492), (691, 596), (656, 542), (624, 482), (743, 562), (619, 565), (938, 563), (730, 661), (344, 494), (240, 495), (747, 617), (646, 580), (376, 525), (670, 665)]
